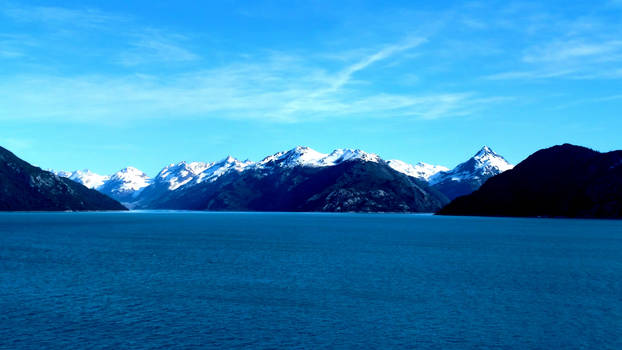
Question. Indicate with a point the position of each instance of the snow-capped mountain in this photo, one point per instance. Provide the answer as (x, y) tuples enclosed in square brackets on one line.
[(305, 156), (420, 170), (127, 179), (470, 175), (183, 173), (300, 179), (84, 177), (220, 168), (484, 164), (184, 177), (177, 175), (125, 185)]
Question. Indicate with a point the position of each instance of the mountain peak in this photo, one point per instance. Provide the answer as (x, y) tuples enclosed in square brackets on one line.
[(468, 176), (487, 159), (484, 151), (307, 152), (228, 159), (128, 179), (129, 170), (345, 154), (299, 155), (302, 149)]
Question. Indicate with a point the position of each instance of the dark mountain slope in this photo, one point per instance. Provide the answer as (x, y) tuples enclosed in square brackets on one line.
[(561, 181), (24, 187)]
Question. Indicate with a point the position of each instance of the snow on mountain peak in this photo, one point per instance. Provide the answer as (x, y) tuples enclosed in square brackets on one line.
[(228, 159), (217, 169), (346, 154), (489, 160), (299, 155), (128, 170), (484, 164), (61, 173), (305, 156), (177, 175), (420, 170), (129, 179), (484, 150), (184, 173), (84, 177)]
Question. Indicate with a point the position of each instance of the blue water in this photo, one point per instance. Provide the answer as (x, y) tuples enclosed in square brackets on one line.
[(274, 280)]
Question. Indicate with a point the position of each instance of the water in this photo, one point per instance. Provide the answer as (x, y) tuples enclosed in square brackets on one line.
[(274, 280)]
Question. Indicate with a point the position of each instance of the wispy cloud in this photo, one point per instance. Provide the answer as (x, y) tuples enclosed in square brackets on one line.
[(9, 53), (569, 60), (584, 47), (532, 74), (14, 46), (599, 100), (281, 88), (327, 92), (50, 15), (81, 30), (576, 50), (153, 46), (303, 84), (346, 74)]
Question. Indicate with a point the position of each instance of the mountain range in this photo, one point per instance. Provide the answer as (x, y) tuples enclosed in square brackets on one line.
[(561, 181), (300, 179)]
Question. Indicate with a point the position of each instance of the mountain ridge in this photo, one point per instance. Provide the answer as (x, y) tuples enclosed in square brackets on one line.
[(24, 187)]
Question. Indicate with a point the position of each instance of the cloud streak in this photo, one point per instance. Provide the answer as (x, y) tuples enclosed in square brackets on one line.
[(277, 88), (154, 47), (577, 50), (585, 48), (60, 16), (303, 84), (346, 74)]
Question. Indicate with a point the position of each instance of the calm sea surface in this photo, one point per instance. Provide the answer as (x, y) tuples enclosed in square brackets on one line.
[(274, 280)]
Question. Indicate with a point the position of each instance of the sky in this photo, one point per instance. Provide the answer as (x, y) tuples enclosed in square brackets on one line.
[(108, 84)]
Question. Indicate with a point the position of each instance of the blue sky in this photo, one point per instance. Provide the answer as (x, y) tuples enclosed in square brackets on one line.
[(107, 84)]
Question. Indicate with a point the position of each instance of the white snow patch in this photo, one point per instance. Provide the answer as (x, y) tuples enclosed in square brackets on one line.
[(130, 179), (183, 173), (305, 156), (420, 170), (84, 177)]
